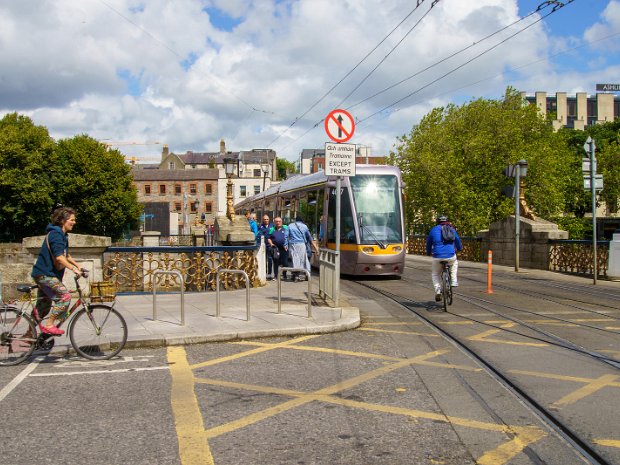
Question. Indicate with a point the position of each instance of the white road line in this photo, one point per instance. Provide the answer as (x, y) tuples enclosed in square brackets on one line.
[(98, 372), (6, 390)]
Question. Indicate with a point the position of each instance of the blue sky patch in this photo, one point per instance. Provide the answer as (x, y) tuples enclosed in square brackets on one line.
[(132, 82), (221, 20)]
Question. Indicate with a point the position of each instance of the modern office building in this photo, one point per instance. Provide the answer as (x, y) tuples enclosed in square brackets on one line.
[(576, 110)]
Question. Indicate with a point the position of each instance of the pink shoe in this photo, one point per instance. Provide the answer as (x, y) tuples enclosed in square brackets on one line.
[(53, 330)]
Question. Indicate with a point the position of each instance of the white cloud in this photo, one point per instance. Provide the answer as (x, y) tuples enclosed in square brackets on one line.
[(167, 71)]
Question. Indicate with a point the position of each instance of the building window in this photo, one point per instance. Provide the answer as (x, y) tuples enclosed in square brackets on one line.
[(208, 189), (177, 206), (243, 191), (208, 207), (192, 189), (162, 189), (257, 173), (177, 189), (171, 165), (256, 190), (147, 189), (193, 206)]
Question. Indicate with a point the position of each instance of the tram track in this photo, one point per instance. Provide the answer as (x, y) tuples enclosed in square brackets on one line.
[(546, 416)]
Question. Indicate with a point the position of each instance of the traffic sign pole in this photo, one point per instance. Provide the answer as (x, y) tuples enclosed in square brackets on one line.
[(592, 147)]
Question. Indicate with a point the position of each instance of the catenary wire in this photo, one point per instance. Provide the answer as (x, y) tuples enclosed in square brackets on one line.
[(418, 3)]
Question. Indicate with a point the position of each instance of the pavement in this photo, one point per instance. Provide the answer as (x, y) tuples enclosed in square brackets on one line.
[(201, 323)]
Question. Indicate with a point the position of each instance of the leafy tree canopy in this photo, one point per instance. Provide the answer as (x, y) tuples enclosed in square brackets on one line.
[(453, 161), (36, 172), (285, 168), (27, 169)]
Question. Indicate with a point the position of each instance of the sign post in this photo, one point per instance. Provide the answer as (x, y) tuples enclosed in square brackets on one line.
[(339, 162), (593, 182)]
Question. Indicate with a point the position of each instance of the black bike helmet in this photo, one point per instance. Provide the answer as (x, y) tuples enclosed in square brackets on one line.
[(442, 219)]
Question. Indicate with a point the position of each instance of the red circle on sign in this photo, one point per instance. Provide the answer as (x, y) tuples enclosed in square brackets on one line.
[(344, 125)]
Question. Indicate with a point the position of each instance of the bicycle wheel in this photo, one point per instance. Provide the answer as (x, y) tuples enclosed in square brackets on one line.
[(98, 333), (445, 289), (17, 336), (449, 284)]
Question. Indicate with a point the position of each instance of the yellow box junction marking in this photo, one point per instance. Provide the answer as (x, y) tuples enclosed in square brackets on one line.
[(484, 337), (590, 388), (608, 442), (193, 438)]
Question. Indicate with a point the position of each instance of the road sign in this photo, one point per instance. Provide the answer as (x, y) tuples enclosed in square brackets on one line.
[(339, 159), (589, 146), (598, 182), (339, 126)]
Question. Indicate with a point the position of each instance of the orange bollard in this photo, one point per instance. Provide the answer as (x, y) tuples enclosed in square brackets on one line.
[(489, 272)]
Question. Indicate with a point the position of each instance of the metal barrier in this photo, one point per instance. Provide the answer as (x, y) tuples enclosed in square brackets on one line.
[(175, 273), (329, 275), (302, 270), (217, 291)]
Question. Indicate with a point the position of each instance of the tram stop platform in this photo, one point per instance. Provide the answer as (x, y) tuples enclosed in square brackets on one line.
[(201, 323)]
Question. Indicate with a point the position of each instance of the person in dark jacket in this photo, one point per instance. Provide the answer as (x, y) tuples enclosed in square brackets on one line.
[(442, 250), (278, 238), (49, 270)]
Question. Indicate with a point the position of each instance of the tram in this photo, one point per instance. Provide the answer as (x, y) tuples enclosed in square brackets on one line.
[(371, 216)]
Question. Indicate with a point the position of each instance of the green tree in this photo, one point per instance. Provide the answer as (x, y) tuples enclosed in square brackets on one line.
[(27, 168), (285, 168), (98, 184), (453, 161)]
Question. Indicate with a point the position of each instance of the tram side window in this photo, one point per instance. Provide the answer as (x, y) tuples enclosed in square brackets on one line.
[(319, 215), (347, 226)]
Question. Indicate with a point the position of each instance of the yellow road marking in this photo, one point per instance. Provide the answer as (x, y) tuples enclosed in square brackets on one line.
[(590, 388), (608, 442), (193, 446), (362, 354), (266, 348), (574, 379), (402, 323), (484, 337), (392, 331)]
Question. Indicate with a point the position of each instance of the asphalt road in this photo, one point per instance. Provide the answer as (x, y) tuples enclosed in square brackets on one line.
[(390, 392)]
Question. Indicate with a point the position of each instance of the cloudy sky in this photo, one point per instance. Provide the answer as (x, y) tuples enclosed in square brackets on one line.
[(265, 73)]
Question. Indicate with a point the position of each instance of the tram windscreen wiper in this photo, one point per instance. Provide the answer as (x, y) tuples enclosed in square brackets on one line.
[(360, 221)]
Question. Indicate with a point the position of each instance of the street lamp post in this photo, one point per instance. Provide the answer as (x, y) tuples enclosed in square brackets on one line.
[(265, 167), (520, 171)]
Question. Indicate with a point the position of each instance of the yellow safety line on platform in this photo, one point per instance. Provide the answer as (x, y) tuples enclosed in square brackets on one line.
[(589, 389), (608, 442), (193, 445)]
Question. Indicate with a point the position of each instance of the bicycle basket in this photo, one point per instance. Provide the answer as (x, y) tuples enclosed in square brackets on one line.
[(102, 291)]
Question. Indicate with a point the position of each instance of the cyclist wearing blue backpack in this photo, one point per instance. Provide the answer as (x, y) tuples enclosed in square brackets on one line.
[(442, 243)]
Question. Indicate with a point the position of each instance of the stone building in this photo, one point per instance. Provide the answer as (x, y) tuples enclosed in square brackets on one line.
[(576, 110)]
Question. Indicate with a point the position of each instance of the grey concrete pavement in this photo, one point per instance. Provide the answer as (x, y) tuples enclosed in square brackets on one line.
[(202, 324)]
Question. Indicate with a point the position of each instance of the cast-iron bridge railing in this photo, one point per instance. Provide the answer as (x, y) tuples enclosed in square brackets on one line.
[(576, 257), (131, 269)]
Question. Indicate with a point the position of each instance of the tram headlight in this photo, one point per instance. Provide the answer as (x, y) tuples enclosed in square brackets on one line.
[(397, 248), (368, 250)]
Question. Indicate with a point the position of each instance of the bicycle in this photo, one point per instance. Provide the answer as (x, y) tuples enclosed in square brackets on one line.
[(96, 331), (446, 284)]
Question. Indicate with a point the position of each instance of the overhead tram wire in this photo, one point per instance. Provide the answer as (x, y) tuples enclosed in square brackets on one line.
[(418, 3), (178, 55), (389, 53), (542, 6), (556, 8), (478, 42)]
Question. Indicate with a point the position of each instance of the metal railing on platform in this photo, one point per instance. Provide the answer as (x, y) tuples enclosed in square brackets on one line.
[(247, 292), (174, 273), (283, 270)]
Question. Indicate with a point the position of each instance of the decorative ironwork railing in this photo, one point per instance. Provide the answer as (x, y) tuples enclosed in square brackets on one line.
[(132, 268), (472, 247), (571, 256)]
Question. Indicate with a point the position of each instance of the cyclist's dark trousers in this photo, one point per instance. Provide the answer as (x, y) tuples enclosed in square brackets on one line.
[(52, 294), (436, 273)]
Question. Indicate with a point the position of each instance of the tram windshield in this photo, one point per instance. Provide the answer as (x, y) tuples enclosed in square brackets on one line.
[(377, 206)]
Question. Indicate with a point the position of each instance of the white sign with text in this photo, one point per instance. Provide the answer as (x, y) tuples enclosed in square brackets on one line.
[(339, 159)]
